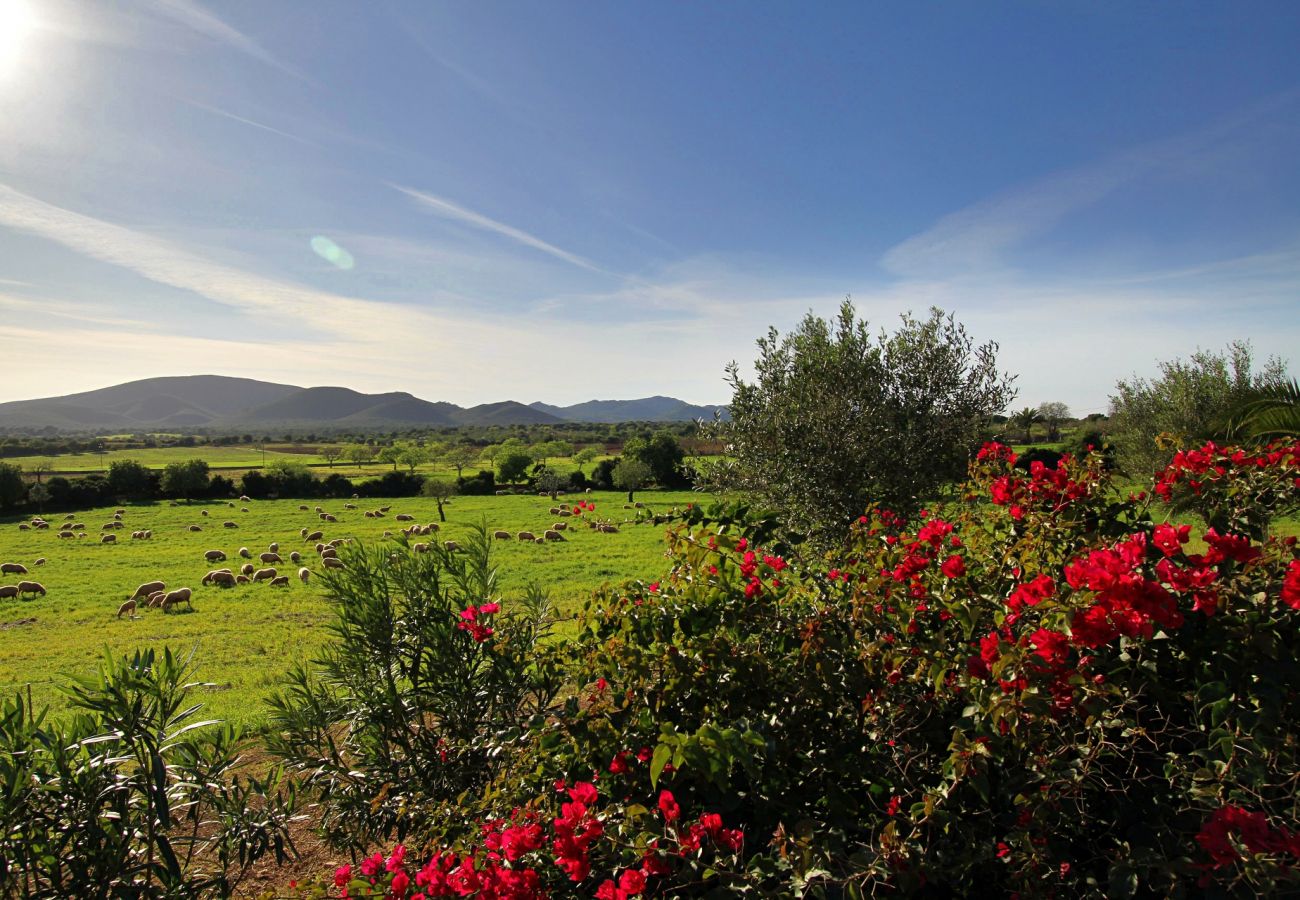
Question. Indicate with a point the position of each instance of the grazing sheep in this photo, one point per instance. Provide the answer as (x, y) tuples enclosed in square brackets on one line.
[(323, 516), (302, 532), (67, 534), (539, 540), (106, 527), (23, 526), (559, 526), (349, 506), (40, 561), (552, 535), (108, 539), (432, 526), (229, 524), (555, 510), (319, 547), (451, 545), (588, 490), (148, 534), (8, 591), (314, 536), (303, 574), (420, 548), (69, 517), (339, 542), (639, 505), (295, 556), (274, 547), (246, 569), (12, 569), (117, 517), (388, 534), (119, 512), (245, 553), (243, 509), (502, 535), (196, 528), (223, 577), (330, 518), (244, 498), (526, 536), (270, 558), (41, 526), (31, 587), (228, 503), (264, 574), (329, 553), (331, 563), (566, 512), (280, 581), (135, 535), (403, 517), (214, 556), (608, 529), (78, 526), (384, 509), (149, 587), (302, 508), (241, 579), (203, 512), (369, 514), (319, 509), (127, 608), (155, 599), (176, 598)]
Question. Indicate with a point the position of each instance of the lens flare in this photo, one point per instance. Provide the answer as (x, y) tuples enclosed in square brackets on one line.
[(331, 252)]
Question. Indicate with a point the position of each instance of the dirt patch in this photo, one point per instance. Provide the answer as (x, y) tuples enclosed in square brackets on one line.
[(18, 623)]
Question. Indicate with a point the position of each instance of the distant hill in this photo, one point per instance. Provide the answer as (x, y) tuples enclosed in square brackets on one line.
[(647, 409), (221, 403)]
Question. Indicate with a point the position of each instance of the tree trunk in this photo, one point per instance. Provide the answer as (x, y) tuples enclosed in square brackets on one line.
[(442, 517), (629, 496)]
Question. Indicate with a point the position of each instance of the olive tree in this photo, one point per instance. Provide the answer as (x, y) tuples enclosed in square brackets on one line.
[(839, 418), (630, 475), (1190, 401)]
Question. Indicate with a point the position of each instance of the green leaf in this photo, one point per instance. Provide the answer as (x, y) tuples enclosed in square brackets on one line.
[(662, 754)]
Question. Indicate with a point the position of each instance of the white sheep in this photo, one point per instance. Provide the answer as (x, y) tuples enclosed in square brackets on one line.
[(270, 558), (526, 536), (12, 569), (127, 608), (8, 591), (303, 574), (108, 539), (215, 556), (264, 574), (31, 587), (245, 553), (280, 581), (331, 563)]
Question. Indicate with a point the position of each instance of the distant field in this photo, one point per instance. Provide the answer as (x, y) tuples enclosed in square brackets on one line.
[(238, 459), (246, 637)]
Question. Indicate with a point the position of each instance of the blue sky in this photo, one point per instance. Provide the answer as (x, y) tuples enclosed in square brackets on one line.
[(561, 201)]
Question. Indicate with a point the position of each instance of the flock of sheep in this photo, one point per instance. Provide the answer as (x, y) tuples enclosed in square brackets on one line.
[(154, 594)]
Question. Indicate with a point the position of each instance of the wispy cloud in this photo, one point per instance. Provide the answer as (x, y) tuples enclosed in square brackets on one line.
[(164, 263), (440, 206), (979, 236), (217, 111), (195, 16)]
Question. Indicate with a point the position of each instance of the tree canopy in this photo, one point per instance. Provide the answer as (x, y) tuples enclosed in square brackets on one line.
[(838, 418)]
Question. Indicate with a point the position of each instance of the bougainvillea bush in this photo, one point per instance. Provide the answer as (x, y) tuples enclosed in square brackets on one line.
[(1039, 690)]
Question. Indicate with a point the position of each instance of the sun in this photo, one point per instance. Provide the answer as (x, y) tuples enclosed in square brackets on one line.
[(17, 21)]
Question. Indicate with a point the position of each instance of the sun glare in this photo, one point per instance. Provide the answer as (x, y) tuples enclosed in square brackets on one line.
[(17, 21)]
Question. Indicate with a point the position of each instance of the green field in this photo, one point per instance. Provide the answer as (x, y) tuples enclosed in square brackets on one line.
[(245, 637)]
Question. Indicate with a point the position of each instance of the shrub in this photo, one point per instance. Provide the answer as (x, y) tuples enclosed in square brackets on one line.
[(131, 795), (483, 483), (391, 484), (1037, 689)]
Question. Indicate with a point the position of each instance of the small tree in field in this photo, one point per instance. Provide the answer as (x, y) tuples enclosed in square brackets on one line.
[(458, 456), (186, 479), (551, 481), (1052, 414), (441, 491), (1025, 420), (330, 453), (584, 456), (838, 418), (630, 475), (38, 494)]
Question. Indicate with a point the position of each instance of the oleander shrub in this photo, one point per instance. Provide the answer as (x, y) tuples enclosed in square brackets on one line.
[(1042, 689), (132, 795)]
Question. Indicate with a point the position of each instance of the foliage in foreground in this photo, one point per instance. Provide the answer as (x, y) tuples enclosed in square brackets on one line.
[(132, 796), (1040, 690)]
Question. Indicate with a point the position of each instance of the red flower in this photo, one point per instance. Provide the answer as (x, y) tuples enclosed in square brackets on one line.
[(631, 882), (1170, 538), (342, 875), (618, 765), (399, 884), (488, 609), (953, 567), (583, 792), (668, 806), (1291, 585)]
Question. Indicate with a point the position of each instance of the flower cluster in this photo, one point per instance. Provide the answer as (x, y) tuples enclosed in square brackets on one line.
[(472, 620), (1231, 827)]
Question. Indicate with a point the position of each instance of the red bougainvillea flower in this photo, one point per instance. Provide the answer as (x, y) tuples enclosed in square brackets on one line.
[(953, 567), (342, 875), (618, 765), (1170, 538), (1291, 585), (668, 806)]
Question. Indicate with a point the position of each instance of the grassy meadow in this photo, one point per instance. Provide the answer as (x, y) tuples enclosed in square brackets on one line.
[(245, 637)]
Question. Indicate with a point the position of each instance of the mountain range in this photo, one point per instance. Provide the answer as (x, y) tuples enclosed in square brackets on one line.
[(219, 402)]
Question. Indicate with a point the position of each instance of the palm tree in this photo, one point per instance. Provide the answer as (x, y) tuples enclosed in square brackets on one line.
[(1026, 419), (1267, 413)]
